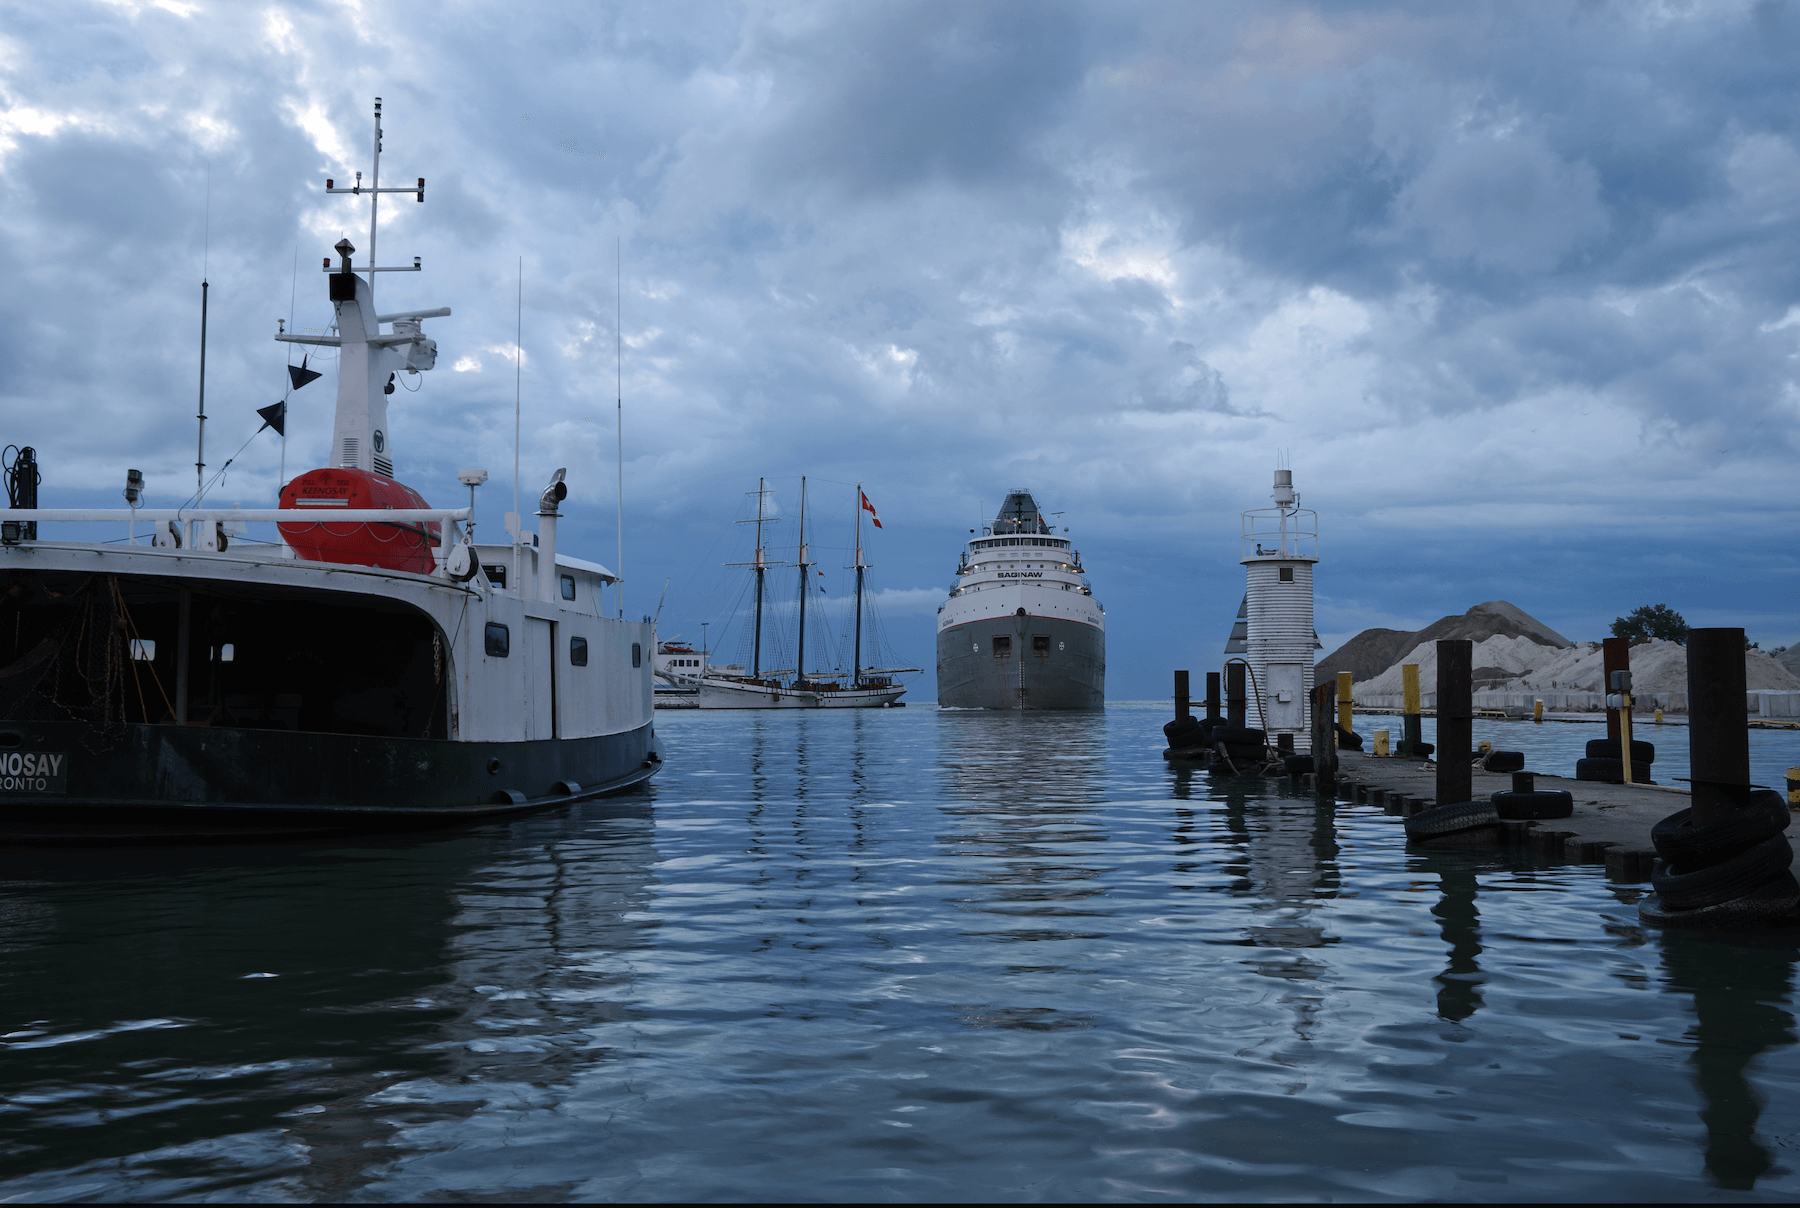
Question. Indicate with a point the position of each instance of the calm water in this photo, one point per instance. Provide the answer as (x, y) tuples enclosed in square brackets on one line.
[(887, 955)]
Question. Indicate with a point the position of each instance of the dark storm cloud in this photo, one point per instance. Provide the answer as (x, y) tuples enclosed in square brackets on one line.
[(1121, 254)]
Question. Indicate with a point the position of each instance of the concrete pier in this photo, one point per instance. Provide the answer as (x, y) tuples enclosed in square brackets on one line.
[(1607, 816)]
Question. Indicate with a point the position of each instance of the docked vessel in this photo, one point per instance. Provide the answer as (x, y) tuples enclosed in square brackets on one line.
[(372, 667), (1021, 629), (718, 687)]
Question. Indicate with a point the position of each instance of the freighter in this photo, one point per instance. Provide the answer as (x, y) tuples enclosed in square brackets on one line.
[(372, 667), (1021, 629)]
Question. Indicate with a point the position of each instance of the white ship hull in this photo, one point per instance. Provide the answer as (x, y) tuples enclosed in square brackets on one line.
[(710, 693)]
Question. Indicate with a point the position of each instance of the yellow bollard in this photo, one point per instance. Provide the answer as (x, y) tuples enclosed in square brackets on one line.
[(1659, 717), (1484, 747), (1537, 712), (1381, 744), (1410, 734), (1793, 779)]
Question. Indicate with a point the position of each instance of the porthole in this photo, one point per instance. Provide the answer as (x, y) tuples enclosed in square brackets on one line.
[(497, 640)]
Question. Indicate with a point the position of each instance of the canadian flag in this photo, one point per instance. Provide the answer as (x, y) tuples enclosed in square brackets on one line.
[(870, 509)]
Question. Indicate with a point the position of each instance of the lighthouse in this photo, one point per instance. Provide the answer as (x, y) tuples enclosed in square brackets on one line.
[(1281, 547)]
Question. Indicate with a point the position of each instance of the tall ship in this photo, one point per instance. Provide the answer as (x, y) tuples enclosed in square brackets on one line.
[(372, 666), (1021, 629), (706, 685)]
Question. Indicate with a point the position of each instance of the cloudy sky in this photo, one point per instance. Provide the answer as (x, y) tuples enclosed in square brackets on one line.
[(1513, 288)]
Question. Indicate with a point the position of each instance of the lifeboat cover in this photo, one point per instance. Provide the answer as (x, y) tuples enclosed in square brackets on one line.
[(317, 493)]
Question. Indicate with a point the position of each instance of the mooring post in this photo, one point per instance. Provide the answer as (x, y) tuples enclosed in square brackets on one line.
[(1236, 708), (1324, 746), (1412, 733), (1718, 725), (1212, 696), (1455, 719), (1615, 655), (1343, 701), (1181, 696)]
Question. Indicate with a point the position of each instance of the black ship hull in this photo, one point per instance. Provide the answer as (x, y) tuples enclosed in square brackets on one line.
[(61, 782), (1044, 663)]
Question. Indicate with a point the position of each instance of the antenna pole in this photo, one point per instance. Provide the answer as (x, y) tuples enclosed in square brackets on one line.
[(619, 412), (518, 411), (200, 458), (374, 202), (800, 652)]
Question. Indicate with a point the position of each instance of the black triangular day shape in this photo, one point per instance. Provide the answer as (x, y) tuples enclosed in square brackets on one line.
[(302, 375), (275, 414)]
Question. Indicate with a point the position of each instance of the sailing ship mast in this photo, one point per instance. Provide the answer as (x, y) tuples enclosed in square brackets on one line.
[(761, 564), (856, 656), (800, 654)]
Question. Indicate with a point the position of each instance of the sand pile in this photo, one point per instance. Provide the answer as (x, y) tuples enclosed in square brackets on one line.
[(1504, 664)]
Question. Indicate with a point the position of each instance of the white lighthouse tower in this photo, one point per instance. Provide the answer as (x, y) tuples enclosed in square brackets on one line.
[(1281, 546)]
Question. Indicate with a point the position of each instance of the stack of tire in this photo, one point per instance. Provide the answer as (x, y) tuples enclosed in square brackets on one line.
[(1465, 819), (1186, 735), (1525, 801), (1605, 762), (1733, 872), (1247, 749)]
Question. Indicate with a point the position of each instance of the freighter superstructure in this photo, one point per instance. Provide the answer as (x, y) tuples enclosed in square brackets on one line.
[(1021, 629)]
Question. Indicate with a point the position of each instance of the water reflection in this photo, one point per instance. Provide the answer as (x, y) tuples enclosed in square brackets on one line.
[(328, 980), (1739, 987), (1459, 922), (1026, 844)]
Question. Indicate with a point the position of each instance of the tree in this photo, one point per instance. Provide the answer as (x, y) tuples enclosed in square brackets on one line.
[(1652, 621)]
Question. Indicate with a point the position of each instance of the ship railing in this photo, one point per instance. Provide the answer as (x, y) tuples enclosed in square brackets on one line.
[(18, 525)]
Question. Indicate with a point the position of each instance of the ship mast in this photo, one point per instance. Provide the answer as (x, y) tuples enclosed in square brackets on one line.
[(856, 656), (800, 653), (761, 564)]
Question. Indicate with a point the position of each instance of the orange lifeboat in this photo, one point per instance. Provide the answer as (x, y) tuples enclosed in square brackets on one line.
[(400, 546)]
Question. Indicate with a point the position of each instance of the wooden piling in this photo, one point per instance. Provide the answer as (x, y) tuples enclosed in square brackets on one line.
[(1344, 703), (1412, 732), (1324, 745), (1236, 706), (1212, 696), (1718, 724), (1455, 719), (1181, 696), (1615, 655)]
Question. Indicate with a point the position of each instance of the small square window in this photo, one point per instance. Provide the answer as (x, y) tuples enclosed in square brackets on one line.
[(1287, 574), (1040, 643), (637, 655), (143, 649), (497, 639), (496, 573), (577, 649), (1002, 646), (568, 587)]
